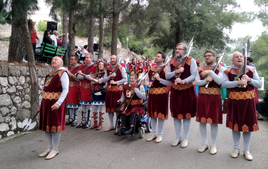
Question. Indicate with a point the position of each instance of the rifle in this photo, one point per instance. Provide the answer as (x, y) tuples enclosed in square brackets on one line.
[(95, 80), (82, 74), (215, 68), (72, 75), (112, 73), (84, 69), (190, 46), (161, 68), (139, 82)]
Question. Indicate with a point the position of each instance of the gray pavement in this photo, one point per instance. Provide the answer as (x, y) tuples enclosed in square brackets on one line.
[(84, 148)]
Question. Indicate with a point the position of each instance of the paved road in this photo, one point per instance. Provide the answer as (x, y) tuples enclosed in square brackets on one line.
[(84, 148)]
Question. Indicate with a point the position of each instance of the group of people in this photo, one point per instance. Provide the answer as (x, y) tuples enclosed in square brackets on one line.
[(54, 39), (94, 86)]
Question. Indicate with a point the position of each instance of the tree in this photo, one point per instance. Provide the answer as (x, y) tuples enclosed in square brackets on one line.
[(16, 46), (41, 26), (72, 30), (263, 13), (20, 10), (4, 14), (68, 9), (92, 14), (118, 7), (175, 21), (260, 56), (64, 31), (101, 30)]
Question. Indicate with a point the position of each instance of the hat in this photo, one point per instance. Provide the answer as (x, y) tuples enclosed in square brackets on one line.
[(133, 59), (150, 60)]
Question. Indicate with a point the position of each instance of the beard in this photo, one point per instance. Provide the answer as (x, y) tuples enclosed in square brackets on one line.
[(179, 55)]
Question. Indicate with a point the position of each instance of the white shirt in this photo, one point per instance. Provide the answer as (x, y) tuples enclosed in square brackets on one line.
[(54, 38), (84, 51)]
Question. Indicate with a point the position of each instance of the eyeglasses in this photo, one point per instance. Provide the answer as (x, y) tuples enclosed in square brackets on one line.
[(181, 49), (208, 55)]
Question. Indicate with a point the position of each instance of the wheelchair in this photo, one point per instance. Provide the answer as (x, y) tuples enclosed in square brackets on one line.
[(142, 123)]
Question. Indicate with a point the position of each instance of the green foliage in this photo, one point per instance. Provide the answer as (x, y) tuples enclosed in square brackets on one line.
[(4, 17), (260, 56), (174, 21), (136, 46), (262, 13), (41, 26), (81, 29), (107, 42), (21, 6), (150, 52)]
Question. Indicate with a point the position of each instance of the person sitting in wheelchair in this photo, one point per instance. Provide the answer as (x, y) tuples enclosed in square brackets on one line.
[(134, 95)]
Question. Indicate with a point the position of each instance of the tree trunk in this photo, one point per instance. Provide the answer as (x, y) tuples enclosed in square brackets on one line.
[(177, 38), (114, 33), (16, 46), (31, 63), (101, 36), (91, 24), (72, 29), (64, 30)]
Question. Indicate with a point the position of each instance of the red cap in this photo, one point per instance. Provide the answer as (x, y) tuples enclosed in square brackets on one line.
[(197, 61), (150, 60)]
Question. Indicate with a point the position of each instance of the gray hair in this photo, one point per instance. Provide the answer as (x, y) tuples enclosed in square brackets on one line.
[(91, 55), (55, 32), (183, 44)]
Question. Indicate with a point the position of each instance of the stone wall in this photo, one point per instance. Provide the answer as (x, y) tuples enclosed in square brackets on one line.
[(15, 95), (4, 50)]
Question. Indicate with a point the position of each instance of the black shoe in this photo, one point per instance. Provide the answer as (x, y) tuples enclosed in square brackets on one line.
[(121, 132), (130, 131), (87, 125), (80, 125), (74, 123), (68, 122)]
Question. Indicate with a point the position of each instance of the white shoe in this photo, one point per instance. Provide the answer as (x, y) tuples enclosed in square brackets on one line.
[(110, 128), (213, 150), (203, 148), (45, 153), (175, 143), (184, 143), (248, 156), (151, 138), (235, 153), (158, 139), (52, 154)]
